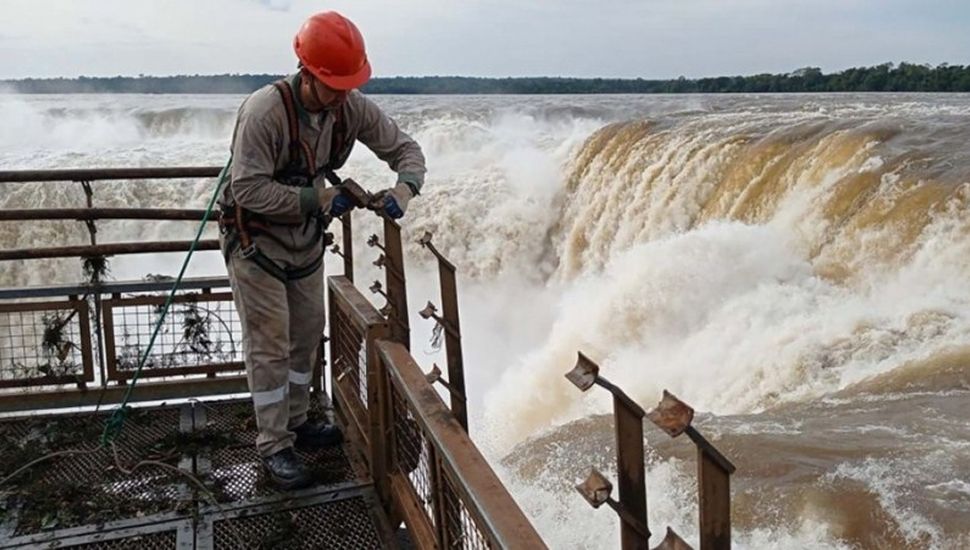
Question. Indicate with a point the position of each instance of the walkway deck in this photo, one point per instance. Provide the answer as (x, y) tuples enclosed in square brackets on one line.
[(137, 497)]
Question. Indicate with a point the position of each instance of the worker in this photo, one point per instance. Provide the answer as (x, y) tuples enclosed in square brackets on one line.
[(290, 138)]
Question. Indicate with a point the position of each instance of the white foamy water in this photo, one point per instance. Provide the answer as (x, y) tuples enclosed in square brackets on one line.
[(793, 265)]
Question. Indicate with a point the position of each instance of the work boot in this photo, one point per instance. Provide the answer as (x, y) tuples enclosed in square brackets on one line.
[(311, 436), (287, 470)]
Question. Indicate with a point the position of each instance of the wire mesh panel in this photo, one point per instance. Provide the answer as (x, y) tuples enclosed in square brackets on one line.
[(445, 489), (341, 524), (350, 353), (201, 333), (413, 454), (461, 531), (45, 343)]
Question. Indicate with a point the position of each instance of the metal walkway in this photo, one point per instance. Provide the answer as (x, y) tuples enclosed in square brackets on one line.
[(188, 476), (145, 492)]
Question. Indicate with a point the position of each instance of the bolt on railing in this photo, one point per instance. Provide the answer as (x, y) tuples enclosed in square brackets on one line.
[(673, 417)]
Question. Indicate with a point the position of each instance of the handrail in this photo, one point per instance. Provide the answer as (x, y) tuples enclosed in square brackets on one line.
[(104, 250), (115, 287), (502, 521), (83, 214), (92, 174)]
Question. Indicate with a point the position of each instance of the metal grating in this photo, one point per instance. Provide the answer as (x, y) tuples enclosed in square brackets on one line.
[(236, 471), (351, 354), (341, 524), (96, 485), (166, 540), (41, 344), (413, 454), (463, 533), (197, 332)]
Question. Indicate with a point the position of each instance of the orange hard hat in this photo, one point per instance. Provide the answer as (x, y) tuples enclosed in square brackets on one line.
[(332, 49)]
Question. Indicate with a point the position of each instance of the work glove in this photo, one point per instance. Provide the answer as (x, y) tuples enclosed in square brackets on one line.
[(333, 201), (393, 201)]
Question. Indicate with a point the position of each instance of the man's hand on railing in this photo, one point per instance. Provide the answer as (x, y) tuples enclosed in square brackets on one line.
[(394, 201)]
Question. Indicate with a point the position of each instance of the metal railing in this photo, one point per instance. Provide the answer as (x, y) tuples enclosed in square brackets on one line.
[(674, 417), (57, 352), (49, 347), (426, 470)]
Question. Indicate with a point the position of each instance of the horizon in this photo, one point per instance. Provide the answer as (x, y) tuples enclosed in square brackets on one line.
[(620, 39), (893, 64)]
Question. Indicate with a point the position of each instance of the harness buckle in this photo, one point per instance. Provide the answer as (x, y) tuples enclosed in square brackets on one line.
[(248, 252)]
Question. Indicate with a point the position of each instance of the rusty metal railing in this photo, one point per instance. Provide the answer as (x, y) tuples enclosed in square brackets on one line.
[(674, 417), (49, 340), (449, 323), (85, 177), (426, 470), (424, 478), (108, 324), (46, 343)]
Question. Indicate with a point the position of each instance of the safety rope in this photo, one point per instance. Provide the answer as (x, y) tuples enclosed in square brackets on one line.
[(115, 424)]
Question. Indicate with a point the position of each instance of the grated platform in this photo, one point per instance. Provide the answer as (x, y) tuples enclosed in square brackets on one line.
[(143, 493)]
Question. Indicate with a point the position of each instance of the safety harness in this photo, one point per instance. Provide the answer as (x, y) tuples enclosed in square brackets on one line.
[(240, 225)]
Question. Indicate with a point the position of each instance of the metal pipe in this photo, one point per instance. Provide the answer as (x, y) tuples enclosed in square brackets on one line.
[(105, 250), (92, 174), (84, 214)]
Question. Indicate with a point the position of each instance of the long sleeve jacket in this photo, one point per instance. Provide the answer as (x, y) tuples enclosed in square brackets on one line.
[(260, 150)]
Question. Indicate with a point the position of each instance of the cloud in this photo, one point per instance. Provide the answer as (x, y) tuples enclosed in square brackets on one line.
[(277, 5)]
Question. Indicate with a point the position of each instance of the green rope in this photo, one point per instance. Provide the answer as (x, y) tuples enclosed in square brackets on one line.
[(115, 424)]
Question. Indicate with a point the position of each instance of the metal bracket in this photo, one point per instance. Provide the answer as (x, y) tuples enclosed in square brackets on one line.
[(434, 376), (374, 241), (430, 312), (377, 288)]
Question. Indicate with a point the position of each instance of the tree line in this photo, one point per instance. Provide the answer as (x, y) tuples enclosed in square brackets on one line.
[(887, 77)]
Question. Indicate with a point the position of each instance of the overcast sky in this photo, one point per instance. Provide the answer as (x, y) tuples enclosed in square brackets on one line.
[(585, 38)]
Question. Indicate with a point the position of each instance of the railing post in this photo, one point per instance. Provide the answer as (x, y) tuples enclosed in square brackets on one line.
[(347, 234), (396, 284), (632, 507), (95, 294), (452, 327), (713, 472), (379, 415)]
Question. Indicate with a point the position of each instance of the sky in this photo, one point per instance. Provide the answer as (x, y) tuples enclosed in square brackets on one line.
[(650, 39)]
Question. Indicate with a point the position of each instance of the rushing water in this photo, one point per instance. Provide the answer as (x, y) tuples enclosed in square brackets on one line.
[(793, 266)]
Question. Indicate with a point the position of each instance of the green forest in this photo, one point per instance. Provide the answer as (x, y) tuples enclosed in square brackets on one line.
[(888, 77)]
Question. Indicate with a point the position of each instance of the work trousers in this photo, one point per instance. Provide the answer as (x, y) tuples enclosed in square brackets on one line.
[(282, 324)]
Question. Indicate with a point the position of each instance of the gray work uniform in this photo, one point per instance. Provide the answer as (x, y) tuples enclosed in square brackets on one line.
[(283, 322)]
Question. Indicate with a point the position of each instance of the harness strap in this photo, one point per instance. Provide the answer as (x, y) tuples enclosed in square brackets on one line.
[(242, 224), (282, 274), (293, 122)]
